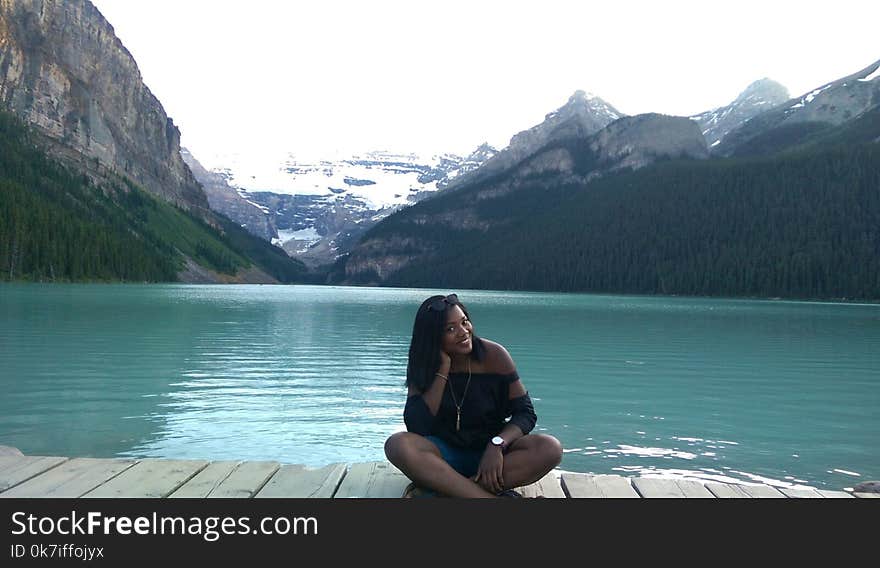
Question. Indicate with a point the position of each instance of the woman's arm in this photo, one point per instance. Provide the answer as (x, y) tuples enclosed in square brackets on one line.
[(490, 471), (422, 407), (434, 394), (522, 420), (522, 413)]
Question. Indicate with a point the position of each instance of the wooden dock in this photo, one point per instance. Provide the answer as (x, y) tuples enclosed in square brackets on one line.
[(61, 477)]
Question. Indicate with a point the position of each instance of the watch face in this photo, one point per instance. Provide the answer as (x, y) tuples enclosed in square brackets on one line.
[(498, 441)]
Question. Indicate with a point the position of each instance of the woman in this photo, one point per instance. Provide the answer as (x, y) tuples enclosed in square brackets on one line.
[(461, 390)]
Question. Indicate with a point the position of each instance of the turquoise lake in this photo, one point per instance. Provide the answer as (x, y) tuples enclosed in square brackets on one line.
[(778, 392)]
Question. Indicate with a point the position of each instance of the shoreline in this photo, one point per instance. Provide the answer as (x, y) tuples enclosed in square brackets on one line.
[(778, 299)]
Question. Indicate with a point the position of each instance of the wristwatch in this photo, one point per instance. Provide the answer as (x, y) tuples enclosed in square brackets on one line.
[(499, 442)]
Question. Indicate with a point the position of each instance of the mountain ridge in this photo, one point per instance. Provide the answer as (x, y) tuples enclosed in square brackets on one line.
[(473, 208), (828, 105), (582, 114), (577, 207)]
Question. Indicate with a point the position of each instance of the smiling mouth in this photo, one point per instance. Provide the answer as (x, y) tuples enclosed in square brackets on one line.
[(465, 340)]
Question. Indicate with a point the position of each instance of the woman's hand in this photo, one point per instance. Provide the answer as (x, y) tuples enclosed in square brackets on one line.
[(489, 472)]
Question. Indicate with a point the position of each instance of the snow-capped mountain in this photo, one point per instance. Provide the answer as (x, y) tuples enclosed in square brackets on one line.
[(760, 96), (319, 206)]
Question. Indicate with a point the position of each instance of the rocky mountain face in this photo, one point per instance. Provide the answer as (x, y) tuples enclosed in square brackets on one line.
[(582, 115), (226, 200), (574, 150), (637, 141), (452, 167), (314, 228), (321, 207), (830, 105), (82, 102), (64, 71), (760, 96)]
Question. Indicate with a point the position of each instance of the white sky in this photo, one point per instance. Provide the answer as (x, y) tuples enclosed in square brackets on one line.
[(313, 77)]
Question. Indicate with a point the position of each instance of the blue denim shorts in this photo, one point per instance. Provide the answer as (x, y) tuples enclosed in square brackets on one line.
[(463, 460)]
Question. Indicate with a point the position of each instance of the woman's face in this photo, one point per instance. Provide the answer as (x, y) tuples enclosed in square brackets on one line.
[(457, 333)]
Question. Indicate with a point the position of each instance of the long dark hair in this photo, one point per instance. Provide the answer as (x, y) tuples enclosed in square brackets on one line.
[(427, 335)]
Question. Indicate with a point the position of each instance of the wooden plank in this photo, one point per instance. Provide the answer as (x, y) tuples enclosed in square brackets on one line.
[(652, 488), (149, 478), (10, 460), (300, 482), (583, 486), (17, 469), (762, 492), (727, 490), (580, 486), (10, 464), (616, 487), (548, 487), (71, 479), (693, 489), (247, 479), (372, 480), (800, 493), (834, 494), (205, 481)]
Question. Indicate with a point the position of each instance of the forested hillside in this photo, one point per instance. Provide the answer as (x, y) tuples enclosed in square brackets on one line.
[(800, 225), (58, 225)]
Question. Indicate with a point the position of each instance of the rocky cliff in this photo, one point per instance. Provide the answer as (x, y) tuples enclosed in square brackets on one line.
[(636, 141), (64, 71)]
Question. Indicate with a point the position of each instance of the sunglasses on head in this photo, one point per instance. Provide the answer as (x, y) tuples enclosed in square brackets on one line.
[(440, 304)]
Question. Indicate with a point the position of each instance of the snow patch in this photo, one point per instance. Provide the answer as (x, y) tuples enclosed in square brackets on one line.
[(812, 95), (872, 76), (808, 98), (379, 179), (310, 235), (262, 208)]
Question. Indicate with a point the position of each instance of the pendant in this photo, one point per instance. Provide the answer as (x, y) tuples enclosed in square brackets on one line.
[(458, 420)]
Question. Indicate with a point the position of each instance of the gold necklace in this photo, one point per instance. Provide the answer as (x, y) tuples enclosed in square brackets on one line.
[(464, 394)]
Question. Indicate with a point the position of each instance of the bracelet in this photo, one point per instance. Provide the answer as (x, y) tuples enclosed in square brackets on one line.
[(445, 378)]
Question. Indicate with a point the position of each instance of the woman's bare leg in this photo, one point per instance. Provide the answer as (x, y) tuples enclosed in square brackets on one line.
[(529, 459), (420, 460)]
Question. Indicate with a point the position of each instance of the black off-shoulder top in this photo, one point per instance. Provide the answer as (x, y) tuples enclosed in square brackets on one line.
[(485, 409)]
